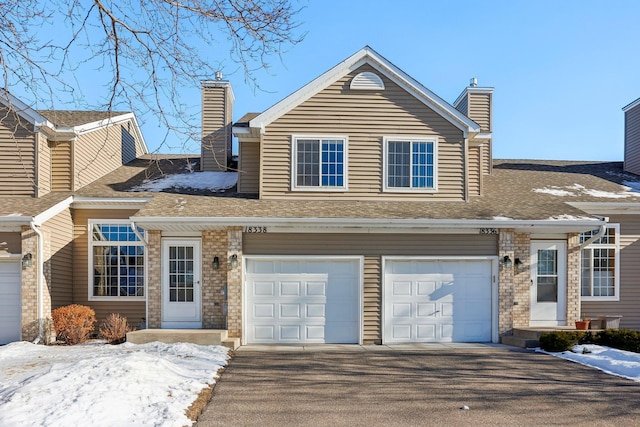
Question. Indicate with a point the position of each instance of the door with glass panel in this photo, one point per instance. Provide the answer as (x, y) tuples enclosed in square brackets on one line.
[(548, 283), (181, 291)]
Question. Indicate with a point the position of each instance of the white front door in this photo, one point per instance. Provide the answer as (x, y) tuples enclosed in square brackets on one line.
[(548, 283), (181, 304)]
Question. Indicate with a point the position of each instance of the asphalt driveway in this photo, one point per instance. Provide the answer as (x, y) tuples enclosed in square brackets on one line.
[(418, 386)]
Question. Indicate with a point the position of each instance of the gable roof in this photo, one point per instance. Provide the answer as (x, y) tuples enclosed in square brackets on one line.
[(369, 56), (67, 124)]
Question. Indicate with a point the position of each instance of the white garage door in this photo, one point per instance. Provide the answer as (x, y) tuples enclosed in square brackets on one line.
[(438, 300), (302, 300), (10, 301)]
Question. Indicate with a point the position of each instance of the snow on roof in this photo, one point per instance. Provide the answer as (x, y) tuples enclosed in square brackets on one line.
[(630, 189), (212, 181)]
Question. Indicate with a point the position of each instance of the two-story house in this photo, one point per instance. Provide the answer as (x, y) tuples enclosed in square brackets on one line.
[(367, 210)]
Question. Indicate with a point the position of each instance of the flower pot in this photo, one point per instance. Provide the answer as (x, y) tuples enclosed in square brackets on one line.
[(582, 325)]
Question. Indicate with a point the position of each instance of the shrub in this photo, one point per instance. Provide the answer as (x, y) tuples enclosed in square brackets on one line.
[(73, 323), (557, 341), (114, 329), (623, 339)]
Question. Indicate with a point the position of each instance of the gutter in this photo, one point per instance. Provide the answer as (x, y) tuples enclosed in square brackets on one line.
[(40, 276)]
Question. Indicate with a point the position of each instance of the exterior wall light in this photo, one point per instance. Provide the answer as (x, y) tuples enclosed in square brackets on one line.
[(520, 265), (216, 263), (27, 260), (233, 261), (506, 262)]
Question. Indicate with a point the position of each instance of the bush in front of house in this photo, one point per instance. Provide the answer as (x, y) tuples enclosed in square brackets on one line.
[(73, 323), (557, 341), (114, 329), (622, 339)]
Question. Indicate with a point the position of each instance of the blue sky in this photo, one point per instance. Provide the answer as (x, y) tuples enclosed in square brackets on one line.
[(562, 70)]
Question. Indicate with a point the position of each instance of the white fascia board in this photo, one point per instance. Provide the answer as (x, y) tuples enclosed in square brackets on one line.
[(631, 105), (14, 223), (54, 210), (605, 208), (407, 224), (109, 202), (484, 135), (240, 131), (369, 56)]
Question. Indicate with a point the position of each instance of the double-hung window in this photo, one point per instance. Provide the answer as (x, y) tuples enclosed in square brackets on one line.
[(410, 164), (320, 163), (600, 266), (117, 260)]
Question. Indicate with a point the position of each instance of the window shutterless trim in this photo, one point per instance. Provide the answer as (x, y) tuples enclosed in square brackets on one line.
[(616, 278), (385, 164), (319, 187), (91, 244)]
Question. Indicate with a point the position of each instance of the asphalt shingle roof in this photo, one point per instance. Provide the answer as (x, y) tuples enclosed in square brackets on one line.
[(76, 118)]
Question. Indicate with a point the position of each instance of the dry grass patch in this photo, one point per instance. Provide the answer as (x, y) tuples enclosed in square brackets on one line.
[(198, 405)]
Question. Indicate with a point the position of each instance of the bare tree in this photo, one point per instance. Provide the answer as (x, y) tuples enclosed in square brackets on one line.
[(140, 53)]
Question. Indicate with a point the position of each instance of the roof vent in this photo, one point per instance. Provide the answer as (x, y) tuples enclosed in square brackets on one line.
[(367, 81), (218, 75), (474, 82)]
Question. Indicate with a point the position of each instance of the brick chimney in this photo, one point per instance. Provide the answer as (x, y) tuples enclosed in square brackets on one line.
[(217, 116)]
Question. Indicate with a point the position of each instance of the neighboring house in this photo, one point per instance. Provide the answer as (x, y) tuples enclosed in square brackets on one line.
[(367, 210)]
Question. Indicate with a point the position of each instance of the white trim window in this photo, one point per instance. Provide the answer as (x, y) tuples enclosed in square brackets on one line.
[(116, 260), (410, 164), (319, 162), (600, 266)]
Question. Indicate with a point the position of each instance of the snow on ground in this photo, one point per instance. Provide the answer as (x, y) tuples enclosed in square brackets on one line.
[(212, 181), (610, 360), (104, 385)]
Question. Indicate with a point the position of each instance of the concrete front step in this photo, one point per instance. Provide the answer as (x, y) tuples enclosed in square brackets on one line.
[(528, 337), (520, 342), (194, 336)]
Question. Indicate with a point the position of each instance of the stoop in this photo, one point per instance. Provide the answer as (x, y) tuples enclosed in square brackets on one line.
[(193, 336), (528, 337)]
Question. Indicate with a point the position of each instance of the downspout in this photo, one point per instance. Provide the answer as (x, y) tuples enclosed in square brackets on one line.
[(40, 276), (599, 234), (146, 273)]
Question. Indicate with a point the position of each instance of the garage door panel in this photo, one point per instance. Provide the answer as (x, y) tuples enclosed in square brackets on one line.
[(437, 300), (10, 301), (312, 302), (264, 310), (264, 288)]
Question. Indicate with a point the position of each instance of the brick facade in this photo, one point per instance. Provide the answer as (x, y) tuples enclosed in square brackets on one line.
[(214, 244), (522, 280), (154, 279), (234, 282), (506, 290), (30, 286), (573, 279)]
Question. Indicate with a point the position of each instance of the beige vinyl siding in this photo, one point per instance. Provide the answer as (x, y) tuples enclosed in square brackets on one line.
[(58, 232), (43, 159), (10, 243), (372, 247), (632, 140), (463, 105), (216, 128), (134, 311), (372, 300), (487, 157), (475, 170), (480, 110), (249, 167), (17, 155), (96, 154), (61, 166), (130, 149), (629, 304), (365, 117)]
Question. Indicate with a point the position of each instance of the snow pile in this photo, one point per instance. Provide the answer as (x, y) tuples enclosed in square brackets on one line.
[(566, 217), (502, 218), (630, 189), (212, 181), (104, 385), (610, 360)]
